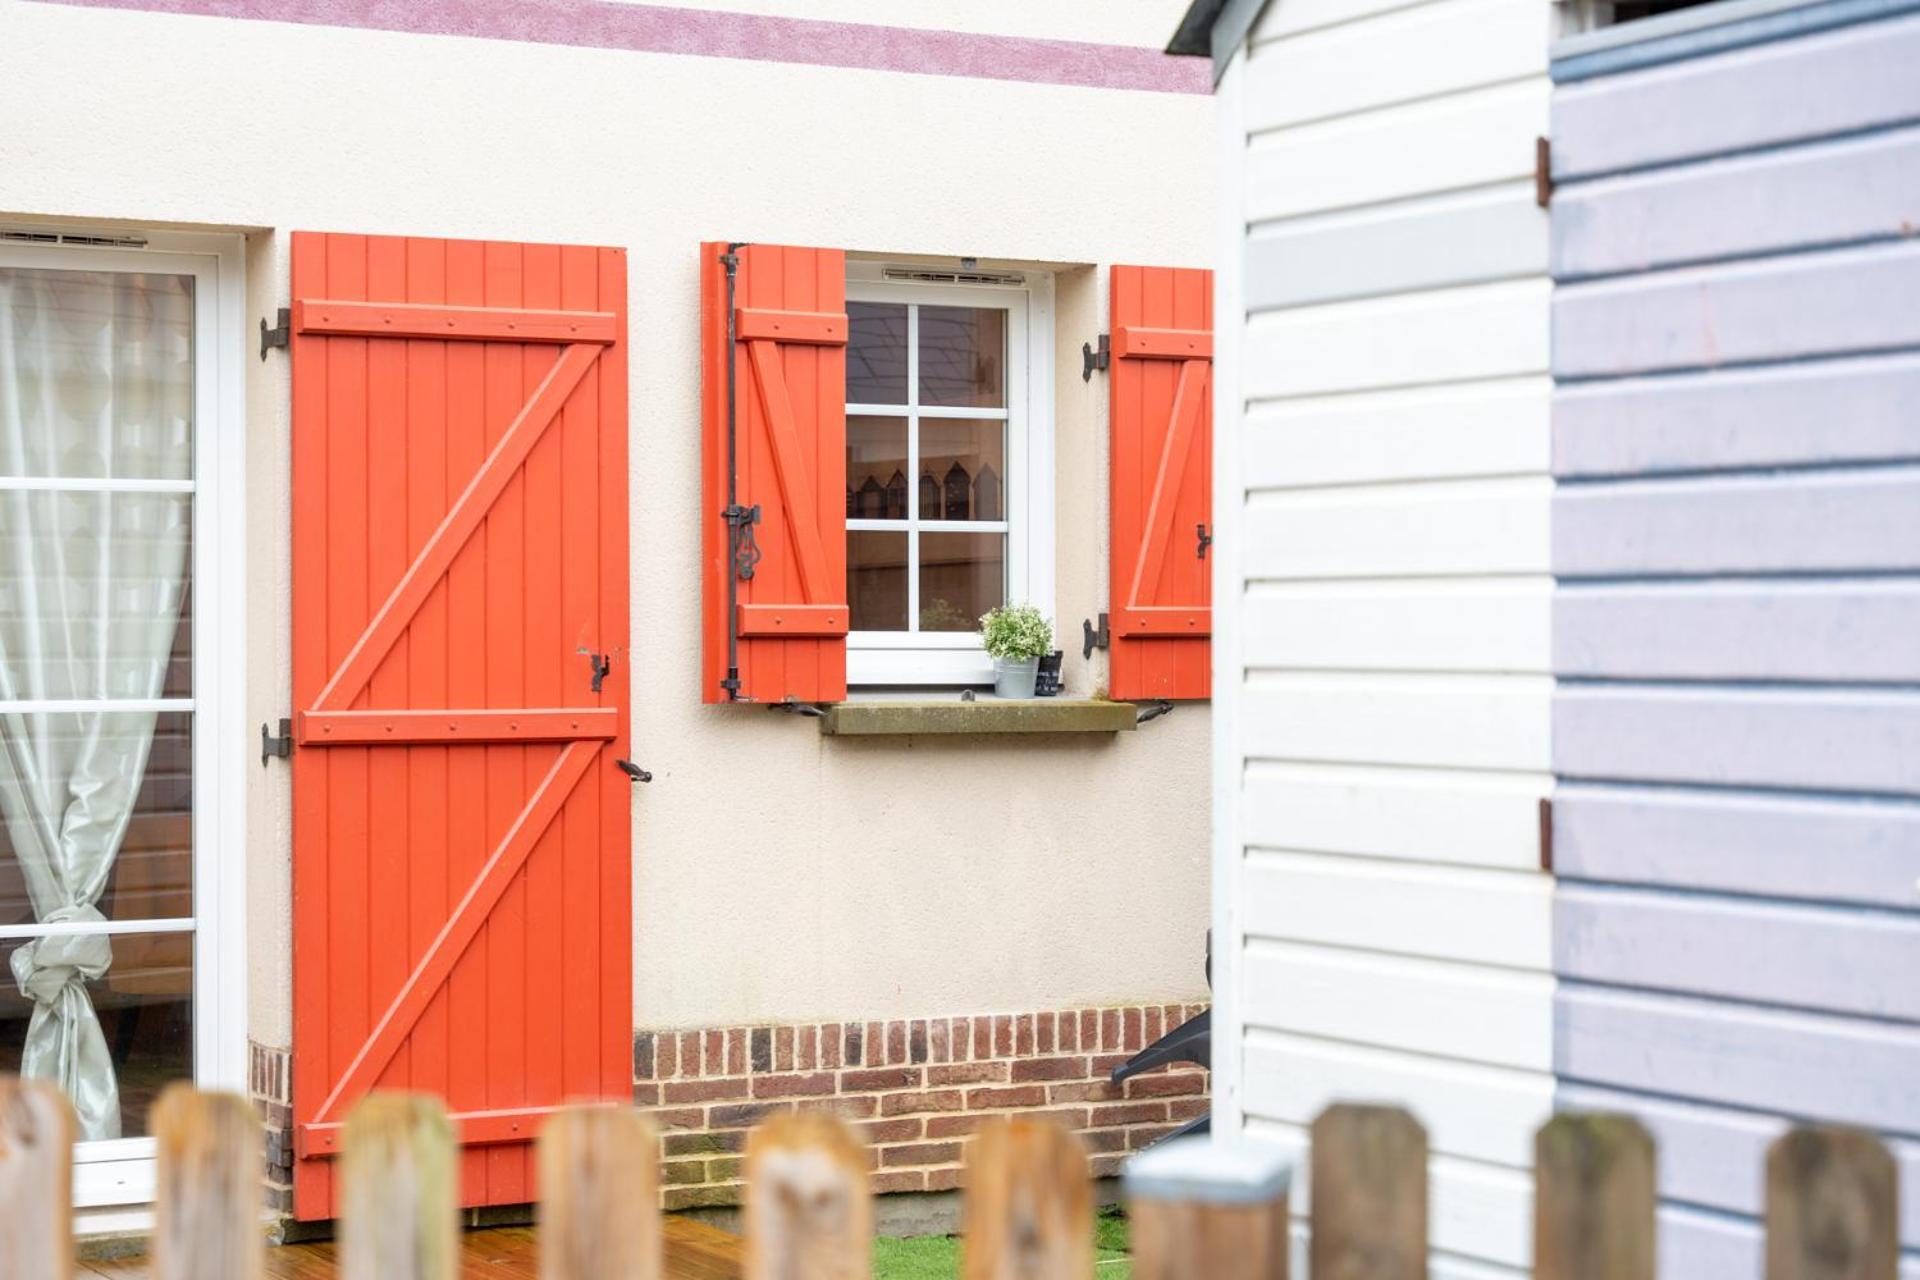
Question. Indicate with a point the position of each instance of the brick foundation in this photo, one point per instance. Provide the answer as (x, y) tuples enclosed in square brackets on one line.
[(269, 1084), (914, 1089)]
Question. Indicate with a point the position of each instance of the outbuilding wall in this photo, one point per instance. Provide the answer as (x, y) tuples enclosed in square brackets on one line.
[(1736, 625)]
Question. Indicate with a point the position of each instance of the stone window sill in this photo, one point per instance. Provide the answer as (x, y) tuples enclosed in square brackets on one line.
[(890, 717)]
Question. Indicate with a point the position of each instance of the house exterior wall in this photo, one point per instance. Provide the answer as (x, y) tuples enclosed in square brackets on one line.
[(780, 877), (1381, 912), (1737, 557)]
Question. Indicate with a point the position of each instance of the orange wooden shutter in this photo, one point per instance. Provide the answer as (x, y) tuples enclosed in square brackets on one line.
[(778, 568), (1161, 472), (461, 837)]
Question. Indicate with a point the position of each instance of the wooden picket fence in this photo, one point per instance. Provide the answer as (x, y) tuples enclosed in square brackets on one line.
[(1830, 1199)]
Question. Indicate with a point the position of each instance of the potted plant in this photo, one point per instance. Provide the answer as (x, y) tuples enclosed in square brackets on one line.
[(1016, 637)]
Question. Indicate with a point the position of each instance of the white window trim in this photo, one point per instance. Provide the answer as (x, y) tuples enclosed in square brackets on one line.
[(121, 1172), (888, 658)]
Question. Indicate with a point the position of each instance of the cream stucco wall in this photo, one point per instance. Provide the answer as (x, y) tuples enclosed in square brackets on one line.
[(777, 874)]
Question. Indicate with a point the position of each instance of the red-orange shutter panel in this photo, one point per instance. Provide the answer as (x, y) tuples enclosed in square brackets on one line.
[(777, 570), (461, 858), (1161, 597)]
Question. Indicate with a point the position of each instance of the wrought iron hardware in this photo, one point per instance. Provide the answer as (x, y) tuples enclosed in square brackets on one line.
[(1092, 358), (1091, 639), (271, 746), (1154, 712), (278, 336), (601, 665), (793, 706), (633, 771), (743, 549), (1206, 540)]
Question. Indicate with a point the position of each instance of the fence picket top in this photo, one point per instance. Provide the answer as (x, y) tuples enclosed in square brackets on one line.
[(399, 1199), (599, 1196), (209, 1155), (36, 1171), (1199, 1169), (1029, 1206), (1594, 1199), (1369, 1214), (1832, 1206), (809, 1213)]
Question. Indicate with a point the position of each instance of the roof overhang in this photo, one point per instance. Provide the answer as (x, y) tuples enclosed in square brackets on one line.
[(1216, 29)]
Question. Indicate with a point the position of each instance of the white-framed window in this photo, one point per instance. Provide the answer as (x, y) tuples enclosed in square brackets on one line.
[(949, 466), (122, 623)]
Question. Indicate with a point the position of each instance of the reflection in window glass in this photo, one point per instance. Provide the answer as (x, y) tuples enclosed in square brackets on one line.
[(877, 581), (962, 575), (963, 356), (876, 353), (963, 464), (876, 468)]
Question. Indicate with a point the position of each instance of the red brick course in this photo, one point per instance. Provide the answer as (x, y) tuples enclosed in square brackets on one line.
[(915, 1089)]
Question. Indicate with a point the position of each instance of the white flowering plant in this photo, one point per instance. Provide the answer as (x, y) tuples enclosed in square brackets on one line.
[(1015, 632)]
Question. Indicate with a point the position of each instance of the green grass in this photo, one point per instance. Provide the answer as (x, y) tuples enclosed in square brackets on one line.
[(938, 1257)]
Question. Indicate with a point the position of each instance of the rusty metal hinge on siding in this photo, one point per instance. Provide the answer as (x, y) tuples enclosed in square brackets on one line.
[(278, 336), (271, 745), (1091, 639), (1092, 357), (1543, 172)]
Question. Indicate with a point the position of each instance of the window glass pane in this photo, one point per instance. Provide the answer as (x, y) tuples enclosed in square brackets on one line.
[(96, 374), (876, 468), (877, 581), (963, 469), (962, 575), (876, 353), (143, 1004), (963, 356)]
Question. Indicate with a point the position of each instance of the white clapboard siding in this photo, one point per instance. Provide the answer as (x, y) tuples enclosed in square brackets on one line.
[(1383, 921), (1469, 625), (1419, 148)]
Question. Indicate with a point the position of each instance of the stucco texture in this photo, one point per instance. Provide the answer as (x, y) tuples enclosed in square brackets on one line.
[(778, 875)]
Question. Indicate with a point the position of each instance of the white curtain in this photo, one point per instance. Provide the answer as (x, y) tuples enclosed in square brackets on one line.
[(96, 384)]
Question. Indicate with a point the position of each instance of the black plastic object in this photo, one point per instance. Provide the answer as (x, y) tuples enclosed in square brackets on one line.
[(1191, 1041), (1047, 681)]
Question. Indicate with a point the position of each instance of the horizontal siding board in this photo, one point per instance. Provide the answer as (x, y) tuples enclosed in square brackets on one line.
[(1709, 1155), (1425, 816), (1468, 430), (1837, 82), (1850, 190), (1822, 739), (1447, 336), (1842, 850), (1482, 917), (1861, 630), (1467, 140), (1824, 958), (1789, 308), (1815, 1066), (1460, 240), (1448, 529), (1469, 1110), (1390, 58), (1835, 411), (1467, 626), (1812, 522), (1453, 1011), (1449, 722), (1283, 21)]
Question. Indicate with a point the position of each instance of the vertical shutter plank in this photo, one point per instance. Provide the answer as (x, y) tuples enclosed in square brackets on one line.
[(611, 853)]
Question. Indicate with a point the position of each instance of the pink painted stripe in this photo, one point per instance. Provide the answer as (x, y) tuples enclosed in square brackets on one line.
[(646, 28)]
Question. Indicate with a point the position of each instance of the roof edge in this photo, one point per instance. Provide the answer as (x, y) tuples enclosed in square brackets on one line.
[(1216, 29)]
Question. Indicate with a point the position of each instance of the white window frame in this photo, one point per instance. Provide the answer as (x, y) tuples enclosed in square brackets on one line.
[(954, 658), (120, 1172)]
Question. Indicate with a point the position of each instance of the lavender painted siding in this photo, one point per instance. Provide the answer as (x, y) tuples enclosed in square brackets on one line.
[(1736, 630)]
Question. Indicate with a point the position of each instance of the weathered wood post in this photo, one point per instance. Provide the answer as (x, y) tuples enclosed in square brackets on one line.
[(1202, 1212), (1029, 1211), (599, 1196), (1593, 1199), (1832, 1212), (207, 1207), (809, 1213), (399, 1206), (1369, 1195), (36, 1181)]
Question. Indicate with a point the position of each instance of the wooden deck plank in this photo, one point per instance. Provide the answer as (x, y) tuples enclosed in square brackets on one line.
[(695, 1251)]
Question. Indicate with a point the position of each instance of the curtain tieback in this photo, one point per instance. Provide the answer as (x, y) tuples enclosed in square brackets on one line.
[(45, 967)]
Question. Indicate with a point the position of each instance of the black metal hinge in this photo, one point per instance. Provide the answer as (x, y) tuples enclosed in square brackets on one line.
[(1092, 358), (278, 336), (745, 550), (271, 746), (601, 664), (1542, 172), (1206, 540), (1091, 639)]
